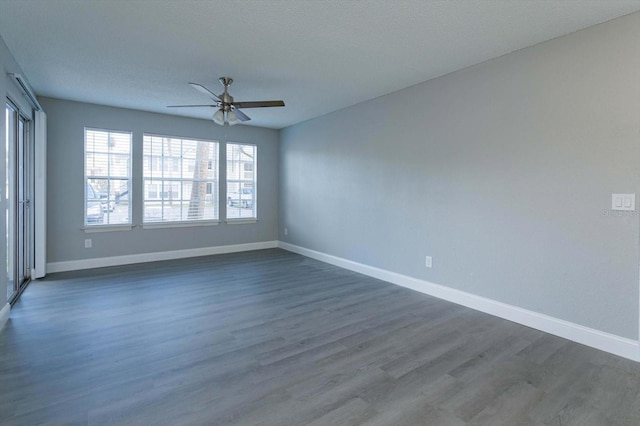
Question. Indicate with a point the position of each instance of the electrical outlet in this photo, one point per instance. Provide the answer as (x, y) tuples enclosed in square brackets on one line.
[(428, 262), (286, 231), (88, 243)]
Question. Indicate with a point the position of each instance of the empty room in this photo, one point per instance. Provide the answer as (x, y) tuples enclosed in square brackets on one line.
[(297, 212)]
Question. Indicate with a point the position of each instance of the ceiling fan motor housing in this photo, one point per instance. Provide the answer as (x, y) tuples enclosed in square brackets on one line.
[(226, 98)]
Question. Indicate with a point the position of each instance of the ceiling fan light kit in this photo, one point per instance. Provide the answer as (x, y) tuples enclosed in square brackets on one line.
[(221, 117), (228, 110)]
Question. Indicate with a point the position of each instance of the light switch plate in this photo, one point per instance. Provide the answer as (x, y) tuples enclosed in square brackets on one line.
[(625, 202)]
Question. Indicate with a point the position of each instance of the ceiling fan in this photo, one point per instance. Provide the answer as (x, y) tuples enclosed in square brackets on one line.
[(228, 109)]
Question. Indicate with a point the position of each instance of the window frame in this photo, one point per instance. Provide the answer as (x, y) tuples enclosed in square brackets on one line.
[(169, 168), (99, 227), (240, 180)]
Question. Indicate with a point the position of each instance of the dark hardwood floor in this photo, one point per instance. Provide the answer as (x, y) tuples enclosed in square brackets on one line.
[(274, 338)]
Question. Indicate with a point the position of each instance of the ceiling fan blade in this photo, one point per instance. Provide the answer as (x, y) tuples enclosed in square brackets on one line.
[(189, 106), (241, 115), (200, 88), (259, 104)]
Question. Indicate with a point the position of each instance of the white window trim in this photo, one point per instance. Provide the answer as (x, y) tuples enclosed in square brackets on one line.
[(107, 227), (241, 220), (180, 224)]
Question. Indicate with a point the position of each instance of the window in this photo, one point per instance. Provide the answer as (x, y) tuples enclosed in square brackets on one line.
[(180, 179), (241, 181), (107, 172)]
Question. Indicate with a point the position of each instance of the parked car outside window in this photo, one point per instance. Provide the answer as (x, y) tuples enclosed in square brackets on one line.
[(95, 213), (243, 198), (107, 205)]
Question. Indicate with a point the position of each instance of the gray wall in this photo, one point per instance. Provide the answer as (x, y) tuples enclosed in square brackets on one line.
[(503, 172), (65, 238)]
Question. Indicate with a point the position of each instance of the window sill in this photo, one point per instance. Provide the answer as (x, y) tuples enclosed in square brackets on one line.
[(106, 228), (160, 225), (240, 221)]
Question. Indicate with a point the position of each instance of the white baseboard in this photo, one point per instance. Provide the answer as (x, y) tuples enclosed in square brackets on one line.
[(74, 265), (4, 315), (607, 342)]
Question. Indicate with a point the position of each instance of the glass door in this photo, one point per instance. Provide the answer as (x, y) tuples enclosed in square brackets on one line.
[(17, 202), (23, 204)]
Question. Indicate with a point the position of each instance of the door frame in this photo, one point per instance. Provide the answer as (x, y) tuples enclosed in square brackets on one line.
[(22, 240)]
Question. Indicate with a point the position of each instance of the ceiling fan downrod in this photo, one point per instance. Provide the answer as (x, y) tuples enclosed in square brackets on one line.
[(226, 98)]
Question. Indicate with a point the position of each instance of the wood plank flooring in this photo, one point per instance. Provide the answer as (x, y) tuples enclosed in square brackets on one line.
[(274, 338)]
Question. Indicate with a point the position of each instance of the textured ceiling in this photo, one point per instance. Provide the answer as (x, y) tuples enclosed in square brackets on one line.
[(319, 56)]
